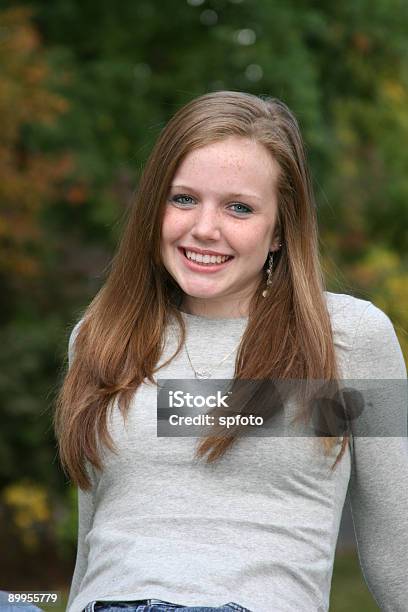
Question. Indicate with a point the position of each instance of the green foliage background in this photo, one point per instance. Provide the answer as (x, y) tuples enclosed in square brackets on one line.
[(117, 74)]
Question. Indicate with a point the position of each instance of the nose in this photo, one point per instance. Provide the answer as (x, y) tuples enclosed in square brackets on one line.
[(206, 223)]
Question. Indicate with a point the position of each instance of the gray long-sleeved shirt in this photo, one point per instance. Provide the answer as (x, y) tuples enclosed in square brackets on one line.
[(260, 526)]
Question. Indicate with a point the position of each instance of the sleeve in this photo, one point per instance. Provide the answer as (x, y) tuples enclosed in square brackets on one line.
[(85, 505), (378, 487), (71, 343), (85, 518)]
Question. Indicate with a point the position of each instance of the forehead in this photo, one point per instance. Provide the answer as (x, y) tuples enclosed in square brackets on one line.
[(235, 161)]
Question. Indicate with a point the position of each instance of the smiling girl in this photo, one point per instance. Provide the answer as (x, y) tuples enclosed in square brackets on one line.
[(217, 275)]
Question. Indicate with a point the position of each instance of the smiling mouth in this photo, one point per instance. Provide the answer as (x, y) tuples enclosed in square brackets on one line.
[(225, 259)]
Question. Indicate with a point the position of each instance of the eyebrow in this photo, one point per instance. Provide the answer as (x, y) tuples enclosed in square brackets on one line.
[(227, 195)]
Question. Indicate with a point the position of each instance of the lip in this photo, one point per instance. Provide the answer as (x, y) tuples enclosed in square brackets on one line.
[(208, 269)]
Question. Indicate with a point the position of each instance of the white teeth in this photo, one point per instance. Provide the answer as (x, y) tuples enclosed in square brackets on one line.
[(206, 259)]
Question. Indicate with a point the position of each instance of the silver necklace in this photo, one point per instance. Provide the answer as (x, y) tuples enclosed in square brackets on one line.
[(202, 373)]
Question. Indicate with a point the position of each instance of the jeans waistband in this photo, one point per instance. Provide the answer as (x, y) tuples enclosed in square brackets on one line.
[(231, 606)]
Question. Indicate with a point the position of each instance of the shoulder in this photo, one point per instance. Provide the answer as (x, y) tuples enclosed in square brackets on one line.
[(342, 305), (348, 313), (369, 335), (71, 342)]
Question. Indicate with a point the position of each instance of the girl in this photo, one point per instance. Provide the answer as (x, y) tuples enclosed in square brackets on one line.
[(217, 276)]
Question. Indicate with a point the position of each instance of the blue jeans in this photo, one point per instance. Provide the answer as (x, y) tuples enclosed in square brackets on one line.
[(156, 605)]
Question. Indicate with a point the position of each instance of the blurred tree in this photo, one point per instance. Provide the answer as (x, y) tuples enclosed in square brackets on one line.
[(28, 176)]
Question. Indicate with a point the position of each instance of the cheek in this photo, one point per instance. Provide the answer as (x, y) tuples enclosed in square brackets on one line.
[(253, 238), (173, 225)]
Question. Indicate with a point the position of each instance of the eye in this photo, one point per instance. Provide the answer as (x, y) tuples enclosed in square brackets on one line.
[(248, 210), (177, 198)]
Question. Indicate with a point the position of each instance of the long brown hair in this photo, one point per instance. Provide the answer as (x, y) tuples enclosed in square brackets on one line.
[(122, 334)]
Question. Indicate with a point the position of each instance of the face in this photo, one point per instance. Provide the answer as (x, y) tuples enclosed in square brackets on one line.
[(222, 199)]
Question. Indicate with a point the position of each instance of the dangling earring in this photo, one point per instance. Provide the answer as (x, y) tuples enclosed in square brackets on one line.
[(269, 273)]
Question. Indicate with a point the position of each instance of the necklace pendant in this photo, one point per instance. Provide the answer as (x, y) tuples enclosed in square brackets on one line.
[(200, 374)]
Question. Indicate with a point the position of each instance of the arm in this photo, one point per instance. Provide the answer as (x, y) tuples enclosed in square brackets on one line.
[(379, 479), (85, 508)]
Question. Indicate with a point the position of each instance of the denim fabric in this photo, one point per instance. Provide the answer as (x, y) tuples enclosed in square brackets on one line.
[(157, 605)]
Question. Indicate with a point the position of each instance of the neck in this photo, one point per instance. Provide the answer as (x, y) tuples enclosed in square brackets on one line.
[(213, 310), (210, 313)]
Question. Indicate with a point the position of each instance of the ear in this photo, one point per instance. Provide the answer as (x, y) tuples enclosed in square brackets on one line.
[(276, 238), (276, 243)]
